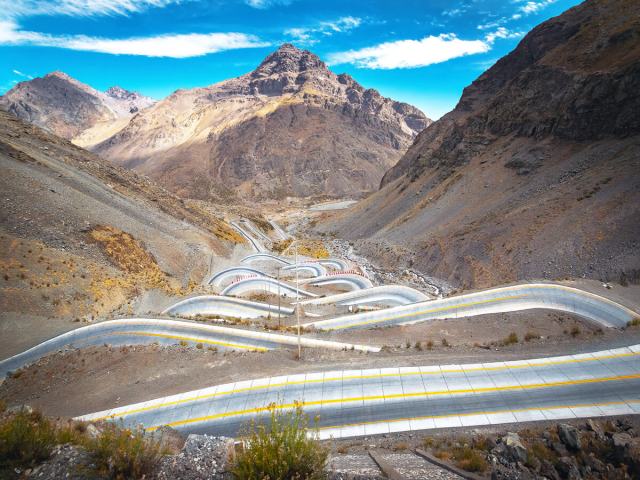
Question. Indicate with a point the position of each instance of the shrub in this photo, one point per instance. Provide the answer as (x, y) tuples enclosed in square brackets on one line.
[(123, 453), (26, 438), (469, 459), (429, 344), (445, 343), (510, 339), (575, 331), (281, 450), (199, 346), (634, 323)]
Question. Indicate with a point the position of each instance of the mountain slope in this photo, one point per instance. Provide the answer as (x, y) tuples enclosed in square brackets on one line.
[(67, 107), (290, 127), (534, 174), (80, 238)]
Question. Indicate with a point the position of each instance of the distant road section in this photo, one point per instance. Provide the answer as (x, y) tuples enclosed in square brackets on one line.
[(265, 285), (265, 257), (389, 295), (348, 280), (140, 331), (230, 274), (254, 242), (339, 205), (224, 306), (383, 400), (496, 300)]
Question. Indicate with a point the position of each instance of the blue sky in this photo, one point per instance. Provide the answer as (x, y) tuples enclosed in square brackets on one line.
[(420, 51)]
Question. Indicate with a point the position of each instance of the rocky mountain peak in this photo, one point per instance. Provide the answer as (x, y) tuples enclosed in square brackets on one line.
[(288, 59), (119, 92)]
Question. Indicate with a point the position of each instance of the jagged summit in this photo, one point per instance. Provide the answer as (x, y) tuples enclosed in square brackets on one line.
[(67, 107), (289, 59)]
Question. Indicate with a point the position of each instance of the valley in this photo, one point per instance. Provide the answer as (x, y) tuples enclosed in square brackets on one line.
[(457, 298)]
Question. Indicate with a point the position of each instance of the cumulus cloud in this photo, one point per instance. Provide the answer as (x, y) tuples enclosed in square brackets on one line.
[(410, 53), (308, 35), (534, 7), (80, 8), (173, 46), (501, 32)]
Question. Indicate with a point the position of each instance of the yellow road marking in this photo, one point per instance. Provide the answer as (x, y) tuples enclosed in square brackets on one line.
[(364, 377), (488, 412), (422, 312), (303, 404), (194, 339)]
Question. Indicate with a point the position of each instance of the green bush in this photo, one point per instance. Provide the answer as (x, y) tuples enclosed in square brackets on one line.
[(123, 453), (281, 450), (26, 438)]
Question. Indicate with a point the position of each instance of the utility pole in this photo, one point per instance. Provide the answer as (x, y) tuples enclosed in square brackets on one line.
[(279, 325), (298, 306)]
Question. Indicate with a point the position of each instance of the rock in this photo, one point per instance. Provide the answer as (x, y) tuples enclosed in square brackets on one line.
[(169, 438), (570, 436), (568, 469), (66, 462), (548, 470), (202, 457), (596, 428), (514, 449), (92, 431)]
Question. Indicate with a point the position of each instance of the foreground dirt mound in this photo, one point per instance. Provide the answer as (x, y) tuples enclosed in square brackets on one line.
[(536, 171)]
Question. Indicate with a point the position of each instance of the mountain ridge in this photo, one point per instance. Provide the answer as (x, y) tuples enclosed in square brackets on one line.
[(290, 127), (534, 174)]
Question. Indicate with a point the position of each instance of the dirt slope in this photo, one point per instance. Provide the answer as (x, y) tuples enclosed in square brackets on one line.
[(80, 237), (534, 174)]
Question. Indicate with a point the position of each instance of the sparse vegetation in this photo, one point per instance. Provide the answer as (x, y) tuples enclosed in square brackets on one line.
[(530, 336), (445, 342), (27, 438), (123, 453), (575, 331), (281, 450), (510, 339)]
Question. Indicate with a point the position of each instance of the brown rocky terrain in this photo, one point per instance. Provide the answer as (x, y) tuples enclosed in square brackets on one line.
[(80, 237), (534, 174), (67, 107), (289, 128)]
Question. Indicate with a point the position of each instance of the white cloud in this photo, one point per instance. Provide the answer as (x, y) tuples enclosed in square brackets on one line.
[(79, 8), (534, 7), (501, 32), (174, 46), (20, 74), (307, 35), (410, 53), (263, 4)]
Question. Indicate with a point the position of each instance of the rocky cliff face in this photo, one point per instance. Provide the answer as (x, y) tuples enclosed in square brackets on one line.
[(536, 171), (67, 107), (290, 127)]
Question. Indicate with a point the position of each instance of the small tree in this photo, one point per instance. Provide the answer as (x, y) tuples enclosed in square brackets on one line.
[(281, 450)]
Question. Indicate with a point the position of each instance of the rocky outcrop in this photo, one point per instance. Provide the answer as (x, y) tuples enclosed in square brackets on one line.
[(291, 127), (64, 106), (535, 173)]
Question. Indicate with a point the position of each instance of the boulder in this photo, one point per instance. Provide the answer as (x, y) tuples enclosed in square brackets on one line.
[(514, 449), (567, 468), (570, 436), (596, 428)]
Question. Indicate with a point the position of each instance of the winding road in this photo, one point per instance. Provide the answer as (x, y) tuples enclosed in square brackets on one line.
[(504, 299), (366, 402), (389, 295), (264, 285), (141, 331), (225, 306)]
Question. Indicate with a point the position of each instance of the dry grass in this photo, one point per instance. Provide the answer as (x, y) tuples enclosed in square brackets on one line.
[(309, 248)]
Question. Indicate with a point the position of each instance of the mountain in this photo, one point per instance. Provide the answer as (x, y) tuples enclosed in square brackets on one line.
[(534, 174), (67, 107), (290, 127), (81, 238)]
